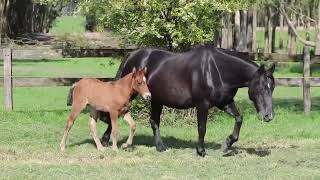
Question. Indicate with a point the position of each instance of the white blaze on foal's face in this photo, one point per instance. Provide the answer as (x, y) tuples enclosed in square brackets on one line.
[(144, 79)]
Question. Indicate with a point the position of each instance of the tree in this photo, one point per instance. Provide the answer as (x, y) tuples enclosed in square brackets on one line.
[(172, 24), (315, 44)]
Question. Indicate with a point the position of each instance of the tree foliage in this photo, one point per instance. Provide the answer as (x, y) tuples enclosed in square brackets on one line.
[(172, 24)]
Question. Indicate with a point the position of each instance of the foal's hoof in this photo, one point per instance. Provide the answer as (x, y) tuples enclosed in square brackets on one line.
[(101, 148), (161, 147), (201, 152), (62, 149), (125, 145)]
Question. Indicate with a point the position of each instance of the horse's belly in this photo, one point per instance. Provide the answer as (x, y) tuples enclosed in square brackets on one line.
[(172, 97)]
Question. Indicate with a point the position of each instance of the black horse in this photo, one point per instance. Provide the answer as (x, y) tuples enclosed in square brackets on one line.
[(202, 78)]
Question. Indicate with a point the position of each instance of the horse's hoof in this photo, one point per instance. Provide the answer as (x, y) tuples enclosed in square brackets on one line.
[(161, 147), (104, 143), (62, 149), (224, 148), (201, 152)]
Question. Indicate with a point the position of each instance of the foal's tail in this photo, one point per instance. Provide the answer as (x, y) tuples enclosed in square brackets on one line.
[(70, 95)]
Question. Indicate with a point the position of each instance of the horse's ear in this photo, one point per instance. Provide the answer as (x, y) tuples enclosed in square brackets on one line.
[(261, 69), (272, 68)]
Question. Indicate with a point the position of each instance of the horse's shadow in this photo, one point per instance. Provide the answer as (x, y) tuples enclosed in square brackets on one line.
[(175, 143)]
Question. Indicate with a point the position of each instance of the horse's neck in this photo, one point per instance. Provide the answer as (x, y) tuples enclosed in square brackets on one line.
[(125, 85), (239, 73)]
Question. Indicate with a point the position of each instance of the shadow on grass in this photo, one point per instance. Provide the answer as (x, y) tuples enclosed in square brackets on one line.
[(144, 140), (175, 143), (261, 152)]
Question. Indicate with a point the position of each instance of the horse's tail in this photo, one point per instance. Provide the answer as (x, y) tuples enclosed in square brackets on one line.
[(70, 95)]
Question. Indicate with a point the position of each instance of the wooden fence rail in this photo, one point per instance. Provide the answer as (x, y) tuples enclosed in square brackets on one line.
[(68, 81), (8, 80)]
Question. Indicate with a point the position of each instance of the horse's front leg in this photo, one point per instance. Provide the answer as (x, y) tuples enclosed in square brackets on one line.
[(156, 110), (105, 117), (202, 115), (232, 110)]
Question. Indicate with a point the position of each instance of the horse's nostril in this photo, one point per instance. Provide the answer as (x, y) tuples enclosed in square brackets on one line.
[(268, 116)]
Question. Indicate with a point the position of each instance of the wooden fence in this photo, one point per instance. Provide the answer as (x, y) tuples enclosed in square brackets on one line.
[(9, 81)]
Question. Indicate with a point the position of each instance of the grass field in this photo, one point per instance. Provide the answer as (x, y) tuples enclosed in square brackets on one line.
[(286, 148), (65, 67)]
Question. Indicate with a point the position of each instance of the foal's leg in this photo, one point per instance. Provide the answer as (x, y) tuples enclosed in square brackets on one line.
[(202, 115), (75, 111), (93, 128), (231, 109), (114, 131), (132, 125), (156, 110)]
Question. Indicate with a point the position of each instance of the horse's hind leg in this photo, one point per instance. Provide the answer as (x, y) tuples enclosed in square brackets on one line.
[(75, 111), (132, 125), (93, 128)]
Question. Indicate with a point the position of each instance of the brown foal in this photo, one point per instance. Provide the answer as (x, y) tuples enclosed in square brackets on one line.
[(113, 97)]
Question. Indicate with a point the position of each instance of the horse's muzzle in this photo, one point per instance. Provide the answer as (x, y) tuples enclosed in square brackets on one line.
[(267, 117)]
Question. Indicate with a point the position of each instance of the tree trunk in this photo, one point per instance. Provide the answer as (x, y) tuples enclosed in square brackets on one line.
[(1, 17), (224, 36), (275, 20), (230, 33), (216, 38), (292, 38), (317, 51), (249, 29), (270, 30), (281, 32), (254, 29), (237, 30), (267, 34), (243, 31)]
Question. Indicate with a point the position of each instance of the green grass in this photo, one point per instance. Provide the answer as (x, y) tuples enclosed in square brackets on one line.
[(286, 148), (65, 67), (68, 24)]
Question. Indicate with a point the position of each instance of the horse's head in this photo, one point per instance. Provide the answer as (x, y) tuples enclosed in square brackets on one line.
[(139, 83), (260, 92)]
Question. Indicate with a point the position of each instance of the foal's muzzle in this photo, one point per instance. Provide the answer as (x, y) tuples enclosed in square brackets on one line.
[(147, 96)]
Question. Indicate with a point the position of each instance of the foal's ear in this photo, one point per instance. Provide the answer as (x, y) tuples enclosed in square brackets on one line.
[(145, 70), (134, 70)]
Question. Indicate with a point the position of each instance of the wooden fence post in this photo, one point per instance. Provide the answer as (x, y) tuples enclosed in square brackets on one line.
[(306, 80), (7, 80)]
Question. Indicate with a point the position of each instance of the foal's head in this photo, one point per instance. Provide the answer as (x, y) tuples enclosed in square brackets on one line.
[(139, 83), (260, 92)]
